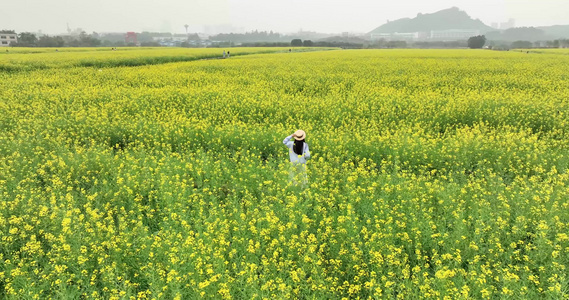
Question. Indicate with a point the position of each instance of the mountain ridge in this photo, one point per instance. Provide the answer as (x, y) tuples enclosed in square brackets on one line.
[(446, 19)]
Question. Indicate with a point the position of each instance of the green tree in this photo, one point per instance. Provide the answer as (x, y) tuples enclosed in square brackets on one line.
[(521, 45), (396, 44), (476, 42), (296, 43), (307, 43), (47, 41), (27, 39), (151, 44), (89, 40)]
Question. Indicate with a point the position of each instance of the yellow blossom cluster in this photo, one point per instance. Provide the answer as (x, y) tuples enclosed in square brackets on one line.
[(435, 174), (25, 59)]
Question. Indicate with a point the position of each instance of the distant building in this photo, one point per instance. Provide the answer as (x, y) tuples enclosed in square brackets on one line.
[(397, 36), (130, 37), (8, 38), (433, 35), (507, 25), (203, 36), (169, 41), (453, 34), (406, 35), (380, 36), (178, 39)]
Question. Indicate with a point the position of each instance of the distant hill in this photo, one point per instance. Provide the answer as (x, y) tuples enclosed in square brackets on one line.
[(531, 34), (452, 18), (556, 31)]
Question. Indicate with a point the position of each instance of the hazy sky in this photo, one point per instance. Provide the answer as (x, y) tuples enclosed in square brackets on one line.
[(329, 16)]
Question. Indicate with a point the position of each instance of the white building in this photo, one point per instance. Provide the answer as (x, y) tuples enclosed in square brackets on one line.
[(453, 34), (507, 25), (380, 36), (433, 35), (406, 35), (8, 38), (397, 36), (174, 39)]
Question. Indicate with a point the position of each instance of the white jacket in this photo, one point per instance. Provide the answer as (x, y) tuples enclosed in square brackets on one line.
[(294, 158)]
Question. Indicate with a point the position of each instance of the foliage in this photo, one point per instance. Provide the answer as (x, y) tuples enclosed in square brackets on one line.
[(521, 44), (26, 39), (85, 40), (434, 174), (266, 44), (248, 37), (561, 43), (296, 43), (47, 41), (193, 37), (396, 44), (155, 44), (476, 42)]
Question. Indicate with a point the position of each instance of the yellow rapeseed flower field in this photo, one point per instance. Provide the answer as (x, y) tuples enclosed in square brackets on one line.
[(152, 174)]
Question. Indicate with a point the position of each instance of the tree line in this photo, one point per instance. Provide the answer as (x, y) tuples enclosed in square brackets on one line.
[(477, 42), (259, 39), (145, 39), (28, 39)]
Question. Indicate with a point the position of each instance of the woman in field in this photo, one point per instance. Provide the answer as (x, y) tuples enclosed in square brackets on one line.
[(299, 154)]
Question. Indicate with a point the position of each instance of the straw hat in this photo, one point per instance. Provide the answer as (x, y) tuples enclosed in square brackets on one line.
[(299, 135)]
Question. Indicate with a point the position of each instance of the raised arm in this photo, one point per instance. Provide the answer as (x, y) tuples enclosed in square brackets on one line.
[(287, 141)]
